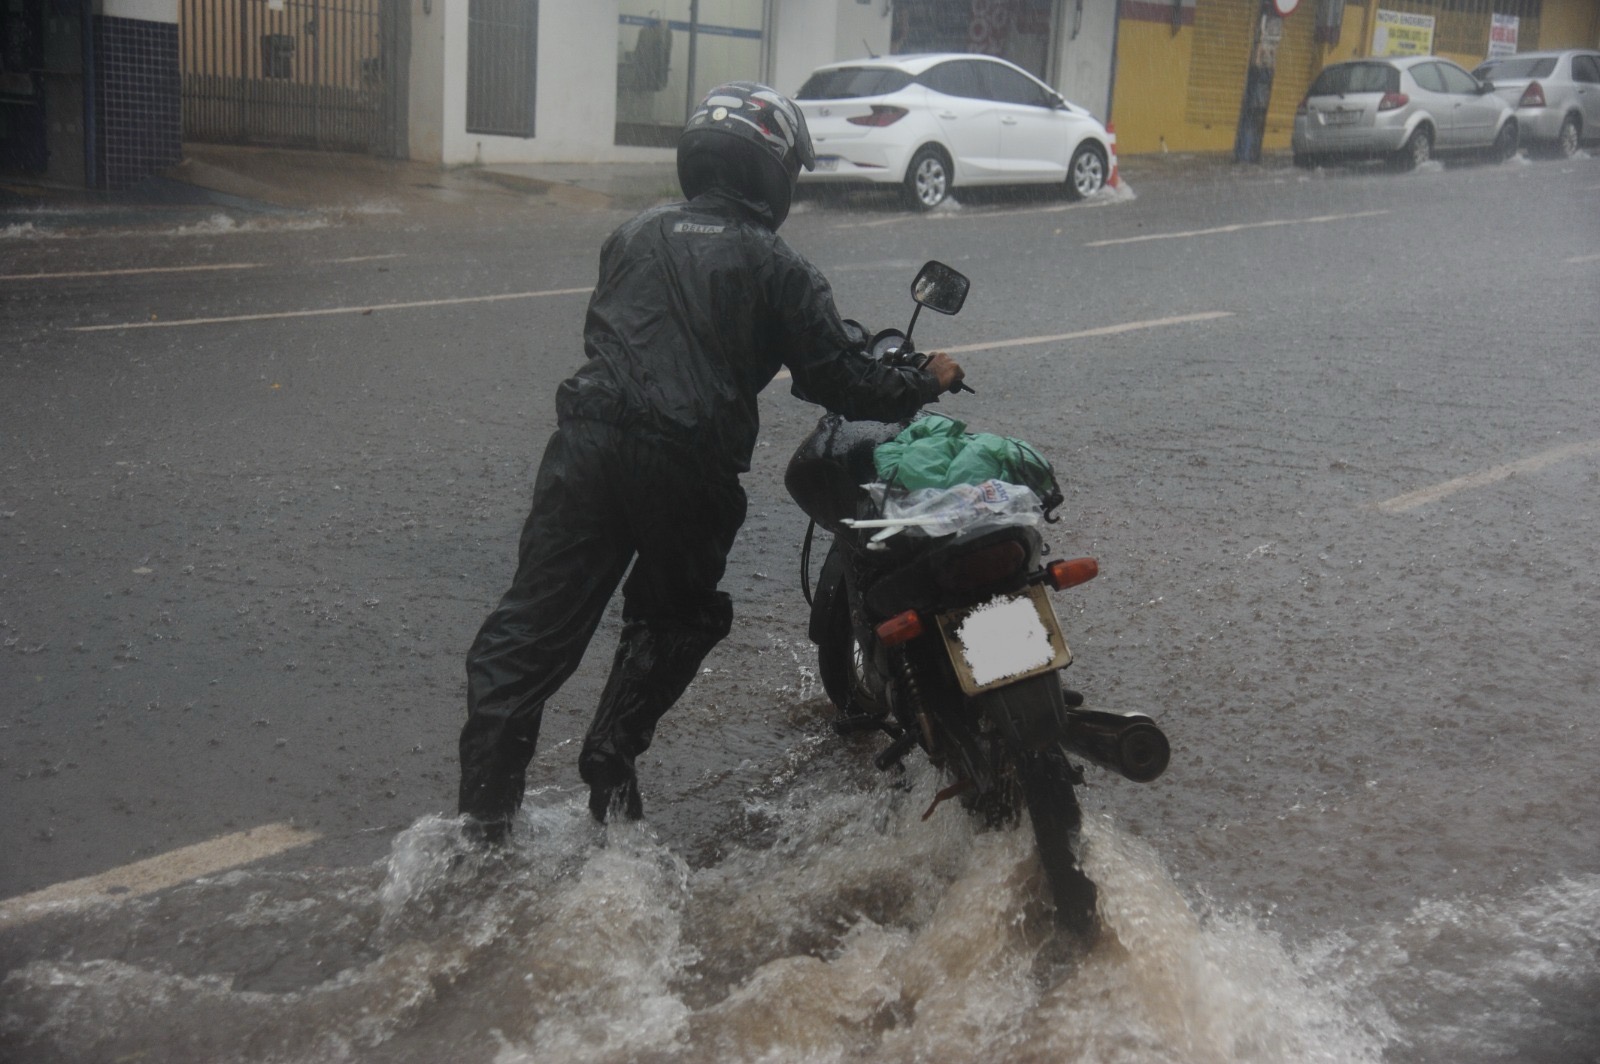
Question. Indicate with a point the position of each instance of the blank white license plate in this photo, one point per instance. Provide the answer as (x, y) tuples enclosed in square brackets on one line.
[(1006, 639), (826, 164)]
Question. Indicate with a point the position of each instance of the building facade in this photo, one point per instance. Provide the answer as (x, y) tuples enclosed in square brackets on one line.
[(615, 79), (104, 92), (1183, 66)]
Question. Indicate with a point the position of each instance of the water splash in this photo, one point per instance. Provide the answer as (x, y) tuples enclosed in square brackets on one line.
[(845, 929)]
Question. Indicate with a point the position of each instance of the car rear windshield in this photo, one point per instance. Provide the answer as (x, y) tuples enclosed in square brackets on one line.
[(1356, 77), (1519, 66), (848, 83)]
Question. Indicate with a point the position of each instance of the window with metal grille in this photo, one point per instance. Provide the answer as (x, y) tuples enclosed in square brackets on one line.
[(502, 39)]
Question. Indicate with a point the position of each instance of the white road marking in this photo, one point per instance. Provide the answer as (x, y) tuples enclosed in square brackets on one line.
[(156, 873), (332, 310), (129, 272), (1234, 228), (1104, 330), (1414, 499), (1583, 258)]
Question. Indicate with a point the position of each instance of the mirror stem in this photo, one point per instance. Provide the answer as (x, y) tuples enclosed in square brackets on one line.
[(907, 345)]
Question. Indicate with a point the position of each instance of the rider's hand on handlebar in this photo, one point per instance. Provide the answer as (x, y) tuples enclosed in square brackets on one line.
[(946, 369)]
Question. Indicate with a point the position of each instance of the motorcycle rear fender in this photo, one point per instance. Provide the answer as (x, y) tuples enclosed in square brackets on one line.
[(1031, 714)]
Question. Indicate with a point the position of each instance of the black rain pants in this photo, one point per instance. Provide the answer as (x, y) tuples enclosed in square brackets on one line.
[(602, 499)]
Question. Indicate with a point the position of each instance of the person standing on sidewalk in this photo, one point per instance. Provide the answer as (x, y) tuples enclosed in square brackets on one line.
[(698, 306)]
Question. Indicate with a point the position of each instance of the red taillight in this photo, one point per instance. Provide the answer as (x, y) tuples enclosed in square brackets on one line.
[(901, 628), (1393, 100), (882, 115), (1302, 108), (983, 567), (1072, 572), (1532, 96)]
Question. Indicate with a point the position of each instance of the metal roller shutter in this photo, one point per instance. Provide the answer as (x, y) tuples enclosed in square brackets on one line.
[(1223, 30)]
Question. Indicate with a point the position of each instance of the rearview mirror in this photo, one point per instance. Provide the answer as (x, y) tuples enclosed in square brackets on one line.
[(941, 288)]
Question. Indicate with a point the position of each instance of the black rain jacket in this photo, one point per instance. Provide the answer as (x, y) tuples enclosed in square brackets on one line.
[(698, 306)]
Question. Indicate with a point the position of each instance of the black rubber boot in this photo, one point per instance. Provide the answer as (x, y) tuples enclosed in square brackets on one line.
[(607, 803)]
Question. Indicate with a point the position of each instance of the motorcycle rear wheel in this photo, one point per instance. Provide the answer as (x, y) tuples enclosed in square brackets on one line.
[(1057, 821)]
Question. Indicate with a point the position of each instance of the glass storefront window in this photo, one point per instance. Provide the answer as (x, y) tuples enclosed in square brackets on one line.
[(669, 52), (1018, 30)]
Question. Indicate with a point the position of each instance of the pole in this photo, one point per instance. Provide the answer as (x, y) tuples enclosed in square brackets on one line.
[(91, 159), (1258, 85), (690, 99)]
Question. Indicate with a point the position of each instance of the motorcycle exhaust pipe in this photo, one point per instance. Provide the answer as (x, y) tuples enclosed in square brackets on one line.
[(1128, 744)]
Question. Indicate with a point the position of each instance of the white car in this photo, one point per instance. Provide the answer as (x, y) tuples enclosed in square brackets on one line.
[(932, 123)]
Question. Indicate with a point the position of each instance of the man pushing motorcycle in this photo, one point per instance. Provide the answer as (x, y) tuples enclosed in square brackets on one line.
[(699, 305)]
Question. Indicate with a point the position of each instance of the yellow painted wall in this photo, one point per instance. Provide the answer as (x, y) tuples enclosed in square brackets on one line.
[(1152, 81), (1150, 102), (1153, 68), (1570, 24)]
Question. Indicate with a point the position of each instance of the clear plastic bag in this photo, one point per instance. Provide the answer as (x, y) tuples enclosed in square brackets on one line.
[(941, 511)]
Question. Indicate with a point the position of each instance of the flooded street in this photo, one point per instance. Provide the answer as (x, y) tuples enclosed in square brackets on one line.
[(1343, 513)]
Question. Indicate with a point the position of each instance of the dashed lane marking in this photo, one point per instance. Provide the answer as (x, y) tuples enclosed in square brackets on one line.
[(1414, 499), (1582, 258), (129, 272), (156, 873), (1240, 227), (1082, 334), (65, 275), (281, 314)]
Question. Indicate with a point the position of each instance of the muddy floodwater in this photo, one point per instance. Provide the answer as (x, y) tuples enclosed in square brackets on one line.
[(828, 922)]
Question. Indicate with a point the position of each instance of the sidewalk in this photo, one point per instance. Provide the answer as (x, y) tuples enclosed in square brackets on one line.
[(247, 181)]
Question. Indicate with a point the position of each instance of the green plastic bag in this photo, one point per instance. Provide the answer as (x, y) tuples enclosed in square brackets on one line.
[(938, 452)]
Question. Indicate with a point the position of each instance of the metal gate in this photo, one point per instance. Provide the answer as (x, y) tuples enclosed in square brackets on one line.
[(294, 73)]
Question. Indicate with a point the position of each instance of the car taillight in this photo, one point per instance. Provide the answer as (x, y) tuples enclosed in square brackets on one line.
[(1302, 108), (882, 115), (1393, 100), (1071, 572), (901, 628), (1532, 96), (983, 567)]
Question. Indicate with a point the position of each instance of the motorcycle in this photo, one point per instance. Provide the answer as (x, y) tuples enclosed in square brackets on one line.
[(948, 641)]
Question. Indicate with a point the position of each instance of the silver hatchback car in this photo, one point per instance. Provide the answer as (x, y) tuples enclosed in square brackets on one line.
[(1556, 95), (1405, 109)]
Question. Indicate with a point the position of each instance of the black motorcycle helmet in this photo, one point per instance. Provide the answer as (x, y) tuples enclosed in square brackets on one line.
[(749, 138)]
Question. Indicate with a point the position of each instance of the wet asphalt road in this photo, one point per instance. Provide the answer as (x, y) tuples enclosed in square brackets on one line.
[(257, 492)]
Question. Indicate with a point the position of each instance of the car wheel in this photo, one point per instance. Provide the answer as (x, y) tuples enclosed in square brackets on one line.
[(1505, 142), (1418, 150), (1568, 139), (1086, 174), (928, 178)]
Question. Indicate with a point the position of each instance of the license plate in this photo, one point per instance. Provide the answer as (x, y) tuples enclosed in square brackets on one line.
[(826, 164), (1340, 118), (1006, 639)]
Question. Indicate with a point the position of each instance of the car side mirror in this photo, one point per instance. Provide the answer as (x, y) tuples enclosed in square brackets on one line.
[(1485, 86)]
